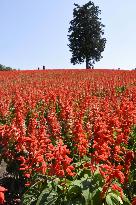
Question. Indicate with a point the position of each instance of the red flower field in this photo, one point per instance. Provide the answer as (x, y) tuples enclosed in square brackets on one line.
[(68, 128)]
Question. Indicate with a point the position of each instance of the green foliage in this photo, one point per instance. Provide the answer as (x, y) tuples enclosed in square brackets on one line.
[(47, 197), (85, 35), (31, 195), (120, 89), (132, 140), (131, 185), (83, 189), (4, 68), (114, 198)]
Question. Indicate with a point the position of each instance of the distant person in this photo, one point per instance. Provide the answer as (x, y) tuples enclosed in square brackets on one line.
[(43, 67)]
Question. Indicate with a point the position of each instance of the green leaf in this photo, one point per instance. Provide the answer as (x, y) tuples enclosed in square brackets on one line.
[(47, 197), (116, 197), (28, 199), (51, 201), (75, 190), (108, 200), (77, 183), (96, 197), (97, 179), (87, 195), (126, 200), (113, 199), (78, 201)]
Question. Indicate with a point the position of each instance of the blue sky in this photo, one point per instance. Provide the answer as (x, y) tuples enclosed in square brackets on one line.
[(34, 33)]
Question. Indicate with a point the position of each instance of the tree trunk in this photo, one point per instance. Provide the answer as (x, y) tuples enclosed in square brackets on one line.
[(87, 63)]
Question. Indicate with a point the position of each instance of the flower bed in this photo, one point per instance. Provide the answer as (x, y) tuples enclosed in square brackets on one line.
[(69, 136)]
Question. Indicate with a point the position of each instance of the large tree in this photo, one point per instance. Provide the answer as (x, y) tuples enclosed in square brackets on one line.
[(85, 35)]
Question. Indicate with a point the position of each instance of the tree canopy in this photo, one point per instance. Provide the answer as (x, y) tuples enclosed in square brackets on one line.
[(4, 68), (85, 35)]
